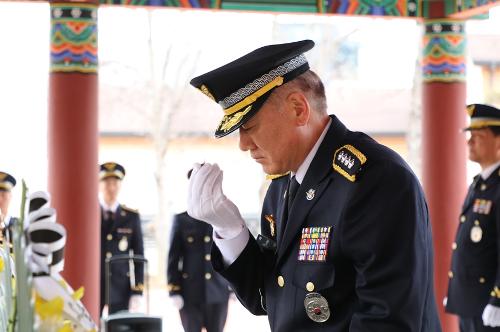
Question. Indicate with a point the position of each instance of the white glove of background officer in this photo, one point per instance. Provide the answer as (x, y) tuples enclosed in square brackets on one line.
[(136, 303), (177, 301), (207, 202), (491, 316)]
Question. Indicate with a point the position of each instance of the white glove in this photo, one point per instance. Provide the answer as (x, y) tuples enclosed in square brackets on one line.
[(177, 301), (491, 316), (105, 311), (207, 202), (136, 303)]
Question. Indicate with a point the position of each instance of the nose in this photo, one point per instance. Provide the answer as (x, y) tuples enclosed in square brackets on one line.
[(245, 142)]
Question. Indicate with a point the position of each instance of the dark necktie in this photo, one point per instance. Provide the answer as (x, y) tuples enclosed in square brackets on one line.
[(109, 215), (293, 185)]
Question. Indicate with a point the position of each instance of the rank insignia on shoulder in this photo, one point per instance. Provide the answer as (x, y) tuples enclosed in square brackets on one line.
[(348, 161)]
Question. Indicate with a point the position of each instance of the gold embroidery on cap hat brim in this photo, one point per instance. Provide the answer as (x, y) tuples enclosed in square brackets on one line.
[(229, 122)]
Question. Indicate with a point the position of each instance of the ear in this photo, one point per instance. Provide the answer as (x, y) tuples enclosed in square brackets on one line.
[(300, 107)]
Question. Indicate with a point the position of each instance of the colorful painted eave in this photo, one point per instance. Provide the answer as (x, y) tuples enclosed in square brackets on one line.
[(460, 9)]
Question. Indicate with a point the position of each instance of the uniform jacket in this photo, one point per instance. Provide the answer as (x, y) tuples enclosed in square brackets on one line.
[(374, 264), (474, 278), (189, 270), (117, 238)]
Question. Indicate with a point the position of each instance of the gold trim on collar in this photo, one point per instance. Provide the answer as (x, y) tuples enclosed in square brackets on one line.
[(275, 176), (254, 96)]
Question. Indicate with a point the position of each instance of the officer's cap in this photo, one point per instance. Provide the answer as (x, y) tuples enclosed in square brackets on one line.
[(111, 169), (242, 86), (7, 181), (483, 116)]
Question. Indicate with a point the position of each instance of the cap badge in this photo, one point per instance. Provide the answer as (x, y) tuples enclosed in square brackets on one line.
[(317, 308), (110, 166), (2, 176), (229, 122), (206, 92)]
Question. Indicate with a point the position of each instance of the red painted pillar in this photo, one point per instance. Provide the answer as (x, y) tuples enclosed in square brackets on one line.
[(73, 142), (444, 144)]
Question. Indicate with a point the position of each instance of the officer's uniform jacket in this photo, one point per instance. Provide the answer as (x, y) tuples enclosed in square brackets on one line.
[(117, 238), (189, 270), (474, 278), (373, 262)]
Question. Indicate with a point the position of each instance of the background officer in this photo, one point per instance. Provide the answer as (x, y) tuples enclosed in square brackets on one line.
[(474, 278), (346, 240), (7, 182), (121, 234), (200, 293)]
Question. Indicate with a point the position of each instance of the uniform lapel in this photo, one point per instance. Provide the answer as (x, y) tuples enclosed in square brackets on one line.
[(315, 182), (281, 210)]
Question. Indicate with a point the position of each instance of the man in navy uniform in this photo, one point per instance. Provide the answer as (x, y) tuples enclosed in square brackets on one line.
[(7, 183), (200, 294), (346, 240), (474, 277), (121, 234)]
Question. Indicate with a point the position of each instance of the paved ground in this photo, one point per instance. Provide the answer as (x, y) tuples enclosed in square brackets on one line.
[(238, 319)]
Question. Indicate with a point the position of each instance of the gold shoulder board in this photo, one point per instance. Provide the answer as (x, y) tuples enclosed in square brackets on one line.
[(348, 160)]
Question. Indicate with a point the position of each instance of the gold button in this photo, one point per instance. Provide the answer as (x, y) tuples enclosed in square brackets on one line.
[(206, 238), (310, 286), (190, 239), (462, 219), (492, 293), (185, 275), (476, 222), (281, 281), (208, 276), (450, 274), (207, 257), (483, 187), (109, 255), (109, 237), (454, 245), (482, 280)]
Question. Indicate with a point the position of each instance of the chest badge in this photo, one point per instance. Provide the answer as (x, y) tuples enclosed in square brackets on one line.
[(476, 234), (317, 308), (123, 244), (272, 223), (310, 194)]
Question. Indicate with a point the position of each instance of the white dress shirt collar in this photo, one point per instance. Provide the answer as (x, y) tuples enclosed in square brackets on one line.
[(485, 173), (301, 172), (113, 207)]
